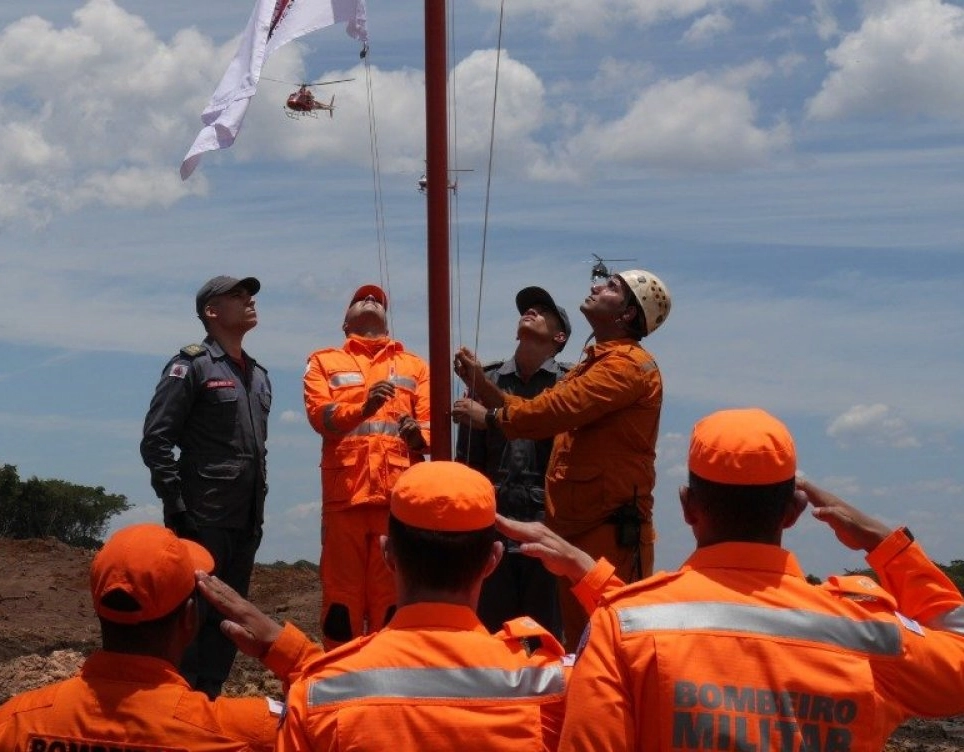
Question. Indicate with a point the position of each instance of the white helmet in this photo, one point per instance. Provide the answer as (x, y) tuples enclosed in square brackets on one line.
[(652, 296)]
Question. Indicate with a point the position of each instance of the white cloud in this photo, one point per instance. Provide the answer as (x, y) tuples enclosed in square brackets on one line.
[(95, 111), (873, 424), (824, 19), (292, 417), (897, 62), (700, 122), (572, 18), (706, 27)]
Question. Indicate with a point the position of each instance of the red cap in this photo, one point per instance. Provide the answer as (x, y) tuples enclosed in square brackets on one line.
[(742, 448), (374, 290), (150, 564), (445, 496)]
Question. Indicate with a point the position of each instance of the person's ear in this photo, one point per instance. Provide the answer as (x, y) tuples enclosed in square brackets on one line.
[(794, 509), (189, 620), (495, 556), (686, 503), (388, 556)]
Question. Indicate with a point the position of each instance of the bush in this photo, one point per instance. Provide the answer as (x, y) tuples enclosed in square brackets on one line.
[(76, 515)]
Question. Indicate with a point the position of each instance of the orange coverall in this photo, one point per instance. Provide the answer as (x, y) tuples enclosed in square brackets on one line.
[(360, 460), (435, 679), (737, 651), (604, 415), (132, 703)]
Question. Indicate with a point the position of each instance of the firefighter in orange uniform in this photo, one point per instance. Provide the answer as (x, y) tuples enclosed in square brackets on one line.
[(737, 651), (129, 695), (369, 400), (604, 417), (434, 678)]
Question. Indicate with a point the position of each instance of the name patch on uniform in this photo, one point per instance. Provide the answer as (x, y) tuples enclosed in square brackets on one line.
[(219, 384), (178, 371), (63, 744)]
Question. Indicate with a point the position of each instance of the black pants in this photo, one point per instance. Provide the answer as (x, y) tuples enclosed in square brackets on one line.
[(208, 660), (520, 586)]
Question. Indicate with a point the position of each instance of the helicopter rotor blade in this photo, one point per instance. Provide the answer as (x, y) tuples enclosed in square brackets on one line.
[(325, 83)]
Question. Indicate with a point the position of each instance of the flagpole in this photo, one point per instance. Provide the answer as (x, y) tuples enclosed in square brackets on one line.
[(436, 173)]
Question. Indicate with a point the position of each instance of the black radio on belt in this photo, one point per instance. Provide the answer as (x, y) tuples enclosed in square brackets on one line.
[(629, 525)]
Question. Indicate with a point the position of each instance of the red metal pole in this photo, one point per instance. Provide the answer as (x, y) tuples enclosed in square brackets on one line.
[(436, 172)]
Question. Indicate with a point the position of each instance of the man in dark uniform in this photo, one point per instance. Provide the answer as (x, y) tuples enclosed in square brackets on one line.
[(212, 404), (520, 585)]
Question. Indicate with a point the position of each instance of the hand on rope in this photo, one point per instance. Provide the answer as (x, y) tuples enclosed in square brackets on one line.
[(411, 433), (468, 368), (469, 412), (378, 394)]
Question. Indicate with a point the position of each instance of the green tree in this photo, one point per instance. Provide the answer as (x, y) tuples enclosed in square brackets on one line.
[(77, 515)]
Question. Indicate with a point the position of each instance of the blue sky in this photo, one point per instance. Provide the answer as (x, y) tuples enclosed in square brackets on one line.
[(792, 170)]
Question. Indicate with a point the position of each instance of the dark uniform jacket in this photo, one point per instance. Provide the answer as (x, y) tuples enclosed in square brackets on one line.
[(489, 452), (217, 416)]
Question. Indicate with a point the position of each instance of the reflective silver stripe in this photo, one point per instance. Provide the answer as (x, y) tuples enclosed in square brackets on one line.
[(346, 378), (403, 381), (385, 427), (950, 621), (876, 637), (439, 684)]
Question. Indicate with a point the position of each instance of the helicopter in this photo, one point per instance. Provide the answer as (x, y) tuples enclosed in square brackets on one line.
[(422, 182), (599, 269), (303, 102)]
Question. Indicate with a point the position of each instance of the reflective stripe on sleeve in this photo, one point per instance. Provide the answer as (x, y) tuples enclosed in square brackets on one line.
[(950, 621), (328, 417), (439, 684), (877, 637)]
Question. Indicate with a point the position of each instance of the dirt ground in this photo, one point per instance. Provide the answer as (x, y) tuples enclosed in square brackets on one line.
[(47, 626)]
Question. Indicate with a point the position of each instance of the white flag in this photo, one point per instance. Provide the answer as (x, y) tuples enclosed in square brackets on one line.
[(272, 24)]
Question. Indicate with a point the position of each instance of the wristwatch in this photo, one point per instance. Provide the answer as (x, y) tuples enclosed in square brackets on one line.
[(490, 421)]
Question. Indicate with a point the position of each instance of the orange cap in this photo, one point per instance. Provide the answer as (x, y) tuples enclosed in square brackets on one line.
[(374, 290), (743, 448), (150, 564), (445, 496)]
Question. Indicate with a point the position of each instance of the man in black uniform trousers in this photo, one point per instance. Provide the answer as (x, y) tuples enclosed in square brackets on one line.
[(212, 403), (520, 585)]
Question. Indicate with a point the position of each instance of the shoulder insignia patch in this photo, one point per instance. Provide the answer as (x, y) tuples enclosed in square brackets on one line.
[(192, 351)]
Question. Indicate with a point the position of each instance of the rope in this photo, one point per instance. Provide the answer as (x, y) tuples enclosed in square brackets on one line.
[(488, 178), (455, 274), (383, 273)]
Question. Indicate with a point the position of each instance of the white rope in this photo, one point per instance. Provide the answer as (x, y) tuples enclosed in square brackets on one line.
[(488, 178), (381, 240)]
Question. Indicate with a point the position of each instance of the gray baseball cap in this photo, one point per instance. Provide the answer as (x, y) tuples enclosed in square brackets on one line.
[(221, 285), (530, 296)]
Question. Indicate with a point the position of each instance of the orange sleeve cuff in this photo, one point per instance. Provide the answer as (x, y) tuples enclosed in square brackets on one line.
[(287, 654), (597, 582), (889, 548)]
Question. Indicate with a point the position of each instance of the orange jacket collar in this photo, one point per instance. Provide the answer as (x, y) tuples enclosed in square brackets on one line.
[(444, 615), (754, 556)]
